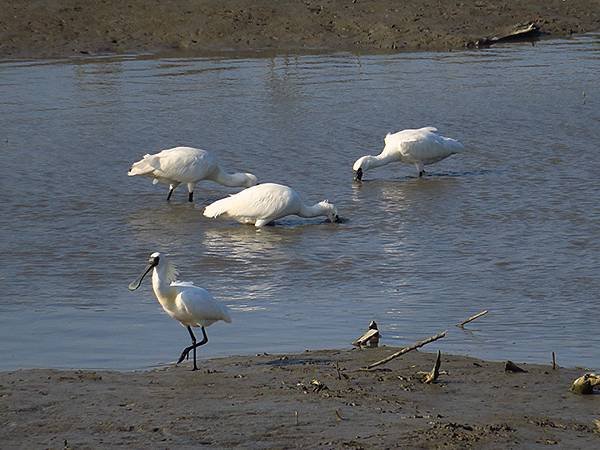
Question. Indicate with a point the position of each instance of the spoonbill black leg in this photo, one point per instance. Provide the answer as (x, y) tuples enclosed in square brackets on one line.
[(191, 187), (172, 187), (195, 344), (420, 168)]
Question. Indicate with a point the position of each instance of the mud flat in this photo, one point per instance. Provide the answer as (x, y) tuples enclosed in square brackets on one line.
[(74, 27), (271, 401)]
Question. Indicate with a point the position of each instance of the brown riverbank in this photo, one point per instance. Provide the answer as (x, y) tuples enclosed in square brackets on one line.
[(269, 402), (72, 27)]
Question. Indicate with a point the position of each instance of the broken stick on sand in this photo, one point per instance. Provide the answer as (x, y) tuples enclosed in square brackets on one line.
[(406, 350), (435, 372)]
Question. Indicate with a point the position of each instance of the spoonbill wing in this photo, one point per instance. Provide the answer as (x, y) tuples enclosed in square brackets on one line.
[(267, 200), (422, 144), (182, 283), (196, 302), (184, 163)]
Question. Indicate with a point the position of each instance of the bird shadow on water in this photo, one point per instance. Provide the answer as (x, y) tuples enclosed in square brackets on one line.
[(294, 223), (427, 177), (459, 174), (412, 187)]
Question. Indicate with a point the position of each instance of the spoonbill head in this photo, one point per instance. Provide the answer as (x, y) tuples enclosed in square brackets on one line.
[(361, 165), (153, 261), (187, 165), (330, 211), (191, 306)]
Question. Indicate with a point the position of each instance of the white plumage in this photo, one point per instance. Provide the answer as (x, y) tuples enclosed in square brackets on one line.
[(191, 305), (187, 165), (420, 147), (264, 203)]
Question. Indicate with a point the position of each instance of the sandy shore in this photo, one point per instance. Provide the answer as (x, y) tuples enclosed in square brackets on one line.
[(73, 27), (269, 402)]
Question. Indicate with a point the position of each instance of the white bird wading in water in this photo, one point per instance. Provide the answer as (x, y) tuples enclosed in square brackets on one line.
[(264, 203), (191, 305), (420, 147), (187, 165)]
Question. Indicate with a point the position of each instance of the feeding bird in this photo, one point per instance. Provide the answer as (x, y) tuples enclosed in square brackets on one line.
[(191, 305), (187, 165), (264, 203), (420, 147)]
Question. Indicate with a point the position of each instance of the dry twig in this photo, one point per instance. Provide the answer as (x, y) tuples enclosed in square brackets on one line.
[(472, 318), (435, 372), (406, 350)]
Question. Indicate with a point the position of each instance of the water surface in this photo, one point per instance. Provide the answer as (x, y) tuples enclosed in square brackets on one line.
[(512, 226)]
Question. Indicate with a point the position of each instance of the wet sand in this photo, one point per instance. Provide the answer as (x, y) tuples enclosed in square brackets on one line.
[(74, 27), (269, 401)]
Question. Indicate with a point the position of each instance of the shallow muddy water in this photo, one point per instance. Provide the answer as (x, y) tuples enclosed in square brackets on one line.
[(512, 225)]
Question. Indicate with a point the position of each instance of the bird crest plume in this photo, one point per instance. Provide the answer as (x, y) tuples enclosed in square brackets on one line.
[(171, 271)]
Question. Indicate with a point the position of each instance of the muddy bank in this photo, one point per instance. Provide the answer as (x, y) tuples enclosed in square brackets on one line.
[(271, 402), (73, 27)]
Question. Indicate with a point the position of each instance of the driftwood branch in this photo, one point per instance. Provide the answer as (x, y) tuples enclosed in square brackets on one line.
[(407, 349), (370, 338), (528, 32), (472, 318), (435, 372)]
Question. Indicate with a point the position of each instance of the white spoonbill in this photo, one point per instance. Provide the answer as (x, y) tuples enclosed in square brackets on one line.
[(191, 305), (264, 203), (187, 165), (420, 147)]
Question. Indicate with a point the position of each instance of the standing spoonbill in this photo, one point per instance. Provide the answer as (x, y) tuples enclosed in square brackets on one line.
[(191, 305), (264, 203), (420, 147), (187, 165)]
